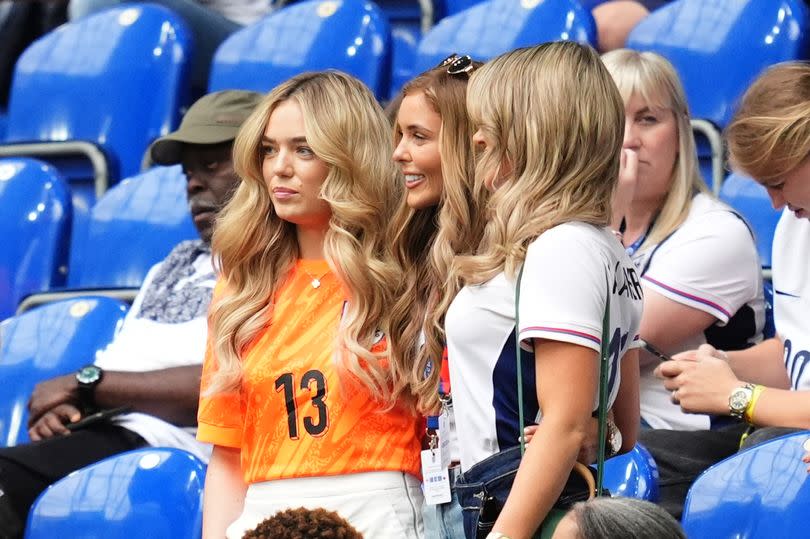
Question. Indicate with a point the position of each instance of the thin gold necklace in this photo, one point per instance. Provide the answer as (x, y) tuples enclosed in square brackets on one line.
[(316, 281)]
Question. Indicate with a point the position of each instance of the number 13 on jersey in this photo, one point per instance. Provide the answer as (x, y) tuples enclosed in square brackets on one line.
[(314, 383)]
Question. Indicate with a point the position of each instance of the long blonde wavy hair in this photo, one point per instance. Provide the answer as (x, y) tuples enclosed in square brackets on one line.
[(255, 249), (769, 135), (555, 121), (425, 241), (655, 80)]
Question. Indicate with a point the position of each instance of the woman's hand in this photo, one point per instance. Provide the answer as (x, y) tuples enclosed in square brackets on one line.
[(700, 380), (626, 187), (587, 452)]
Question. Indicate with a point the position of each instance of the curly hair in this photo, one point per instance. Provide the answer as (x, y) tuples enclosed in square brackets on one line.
[(425, 241), (302, 523), (555, 157), (255, 250)]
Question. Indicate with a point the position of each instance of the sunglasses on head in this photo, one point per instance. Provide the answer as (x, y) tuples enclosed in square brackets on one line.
[(457, 65)]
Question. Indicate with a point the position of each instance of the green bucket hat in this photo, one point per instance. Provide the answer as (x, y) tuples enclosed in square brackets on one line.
[(213, 119)]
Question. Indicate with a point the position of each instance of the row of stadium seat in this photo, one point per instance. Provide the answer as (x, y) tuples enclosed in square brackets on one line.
[(117, 80), (106, 103), (129, 229)]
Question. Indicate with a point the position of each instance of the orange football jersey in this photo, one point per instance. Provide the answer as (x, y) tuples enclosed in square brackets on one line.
[(293, 416)]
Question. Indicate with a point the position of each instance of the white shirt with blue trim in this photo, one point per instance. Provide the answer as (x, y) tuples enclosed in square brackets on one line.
[(568, 271), (709, 263)]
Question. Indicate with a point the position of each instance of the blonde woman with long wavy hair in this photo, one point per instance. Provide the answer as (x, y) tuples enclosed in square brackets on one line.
[(696, 257), (439, 217), (550, 124), (297, 383)]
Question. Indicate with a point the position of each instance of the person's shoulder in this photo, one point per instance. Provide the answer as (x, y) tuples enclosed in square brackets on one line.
[(574, 240), (710, 215), (572, 231)]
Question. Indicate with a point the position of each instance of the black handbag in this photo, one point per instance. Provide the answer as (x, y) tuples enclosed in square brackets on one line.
[(483, 489)]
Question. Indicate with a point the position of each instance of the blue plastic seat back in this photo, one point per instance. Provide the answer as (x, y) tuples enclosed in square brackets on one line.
[(350, 35), (763, 491), (404, 41), (752, 201), (48, 341), (35, 215), (632, 475), (131, 228), (153, 493), (446, 8), (719, 47), (118, 78), (497, 26)]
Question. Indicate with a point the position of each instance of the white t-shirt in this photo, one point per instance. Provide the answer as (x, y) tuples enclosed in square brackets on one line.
[(709, 263), (791, 295), (562, 297), (143, 345)]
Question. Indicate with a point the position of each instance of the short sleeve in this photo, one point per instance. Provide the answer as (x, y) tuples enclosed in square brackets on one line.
[(219, 416), (563, 289), (710, 264)]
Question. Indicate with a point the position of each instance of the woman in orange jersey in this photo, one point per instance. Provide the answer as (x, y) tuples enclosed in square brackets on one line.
[(300, 399), (439, 216)]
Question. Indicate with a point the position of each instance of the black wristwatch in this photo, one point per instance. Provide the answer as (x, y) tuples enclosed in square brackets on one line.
[(88, 377)]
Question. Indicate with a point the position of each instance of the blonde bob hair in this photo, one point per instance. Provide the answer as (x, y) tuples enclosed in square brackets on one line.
[(770, 133), (255, 249), (652, 78), (425, 241), (555, 124)]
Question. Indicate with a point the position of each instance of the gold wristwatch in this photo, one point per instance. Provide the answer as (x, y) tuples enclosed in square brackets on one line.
[(739, 400)]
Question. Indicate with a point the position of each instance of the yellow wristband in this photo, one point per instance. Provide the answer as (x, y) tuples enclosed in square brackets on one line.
[(749, 410)]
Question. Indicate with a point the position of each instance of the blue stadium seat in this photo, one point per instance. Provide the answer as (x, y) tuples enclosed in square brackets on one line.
[(633, 475), (751, 199), (153, 493), (35, 215), (99, 90), (409, 21), (404, 41), (760, 492), (720, 47), (46, 342), (497, 26), (350, 35), (131, 228), (445, 8)]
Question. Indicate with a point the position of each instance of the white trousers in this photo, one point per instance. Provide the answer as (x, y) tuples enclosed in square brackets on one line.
[(380, 505)]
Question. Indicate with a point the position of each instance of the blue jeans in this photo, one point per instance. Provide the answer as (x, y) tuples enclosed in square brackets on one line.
[(482, 491), (445, 521)]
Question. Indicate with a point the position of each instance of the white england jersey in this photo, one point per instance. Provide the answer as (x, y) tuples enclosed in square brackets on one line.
[(709, 263), (791, 295), (567, 273)]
